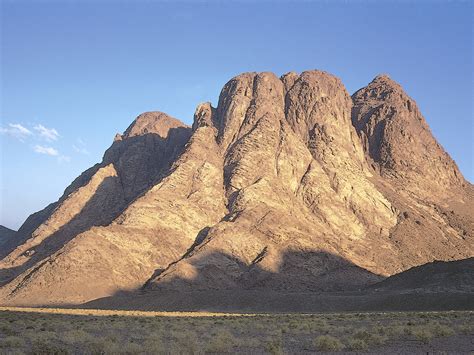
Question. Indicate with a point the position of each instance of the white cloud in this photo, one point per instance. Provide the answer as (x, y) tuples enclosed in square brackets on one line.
[(17, 131), (49, 134), (46, 150), (80, 147)]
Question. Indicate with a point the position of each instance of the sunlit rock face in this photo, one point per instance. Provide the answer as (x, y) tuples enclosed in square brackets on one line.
[(289, 184)]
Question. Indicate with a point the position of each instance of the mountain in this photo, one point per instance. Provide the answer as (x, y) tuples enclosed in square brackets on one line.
[(7, 236), (288, 185), (438, 276), (435, 286)]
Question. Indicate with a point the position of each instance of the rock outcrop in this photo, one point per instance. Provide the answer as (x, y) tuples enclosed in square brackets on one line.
[(289, 184)]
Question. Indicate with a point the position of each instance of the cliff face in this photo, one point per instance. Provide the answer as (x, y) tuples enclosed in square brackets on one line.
[(289, 184), (398, 140)]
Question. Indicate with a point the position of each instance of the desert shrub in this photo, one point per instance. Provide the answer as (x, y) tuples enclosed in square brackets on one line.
[(466, 329), (305, 328), (380, 329), (357, 344), (440, 330), (7, 329), (320, 325), (41, 346), (395, 331), (11, 341), (76, 337), (222, 342), (95, 346), (274, 346), (260, 327), (370, 338), (293, 324), (252, 342), (108, 346), (153, 346), (285, 329), (130, 348), (328, 343), (185, 343), (423, 335)]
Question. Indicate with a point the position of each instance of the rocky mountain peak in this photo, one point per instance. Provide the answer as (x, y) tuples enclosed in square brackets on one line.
[(204, 116), (272, 190), (289, 79), (318, 108), (383, 87), (397, 138), (154, 122)]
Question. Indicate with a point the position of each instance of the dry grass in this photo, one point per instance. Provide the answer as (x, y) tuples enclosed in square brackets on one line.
[(108, 313), (46, 331), (328, 343)]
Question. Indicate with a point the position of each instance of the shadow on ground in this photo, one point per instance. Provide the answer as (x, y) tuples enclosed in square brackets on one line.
[(332, 285)]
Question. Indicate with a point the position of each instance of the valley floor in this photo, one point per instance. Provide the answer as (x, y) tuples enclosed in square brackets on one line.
[(78, 331)]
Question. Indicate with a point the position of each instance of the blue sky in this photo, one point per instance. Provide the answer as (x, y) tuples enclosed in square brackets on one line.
[(74, 73)]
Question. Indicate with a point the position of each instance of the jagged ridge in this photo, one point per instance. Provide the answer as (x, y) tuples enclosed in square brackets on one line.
[(289, 184)]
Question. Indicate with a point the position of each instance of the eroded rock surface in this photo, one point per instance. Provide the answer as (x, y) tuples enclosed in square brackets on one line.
[(289, 184)]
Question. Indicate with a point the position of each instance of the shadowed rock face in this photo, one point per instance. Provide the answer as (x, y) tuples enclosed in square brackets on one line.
[(7, 238), (438, 276), (397, 138), (289, 184)]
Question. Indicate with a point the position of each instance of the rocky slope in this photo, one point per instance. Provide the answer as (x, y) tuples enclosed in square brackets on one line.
[(289, 185), (438, 276), (7, 237)]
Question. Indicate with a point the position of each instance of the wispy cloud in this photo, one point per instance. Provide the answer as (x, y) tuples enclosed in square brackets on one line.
[(80, 147), (52, 152), (49, 134), (40, 132), (46, 150), (17, 131)]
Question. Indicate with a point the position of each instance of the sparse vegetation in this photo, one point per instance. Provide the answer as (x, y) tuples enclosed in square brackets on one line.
[(357, 344), (221, 342), (98, 332), (328, 343), (370, 337), (11, 342), (423, 335)]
